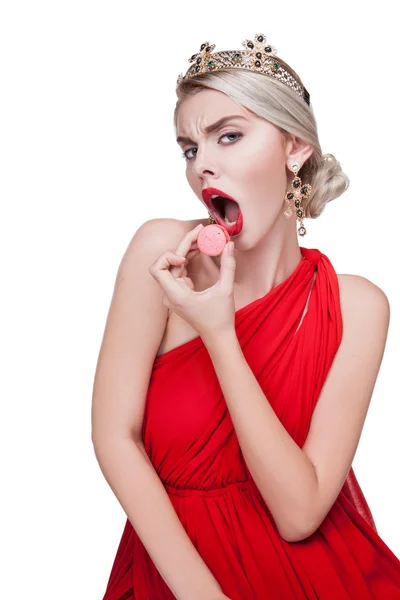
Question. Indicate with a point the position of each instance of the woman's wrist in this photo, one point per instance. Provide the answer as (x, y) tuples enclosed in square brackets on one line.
[(211, 592)]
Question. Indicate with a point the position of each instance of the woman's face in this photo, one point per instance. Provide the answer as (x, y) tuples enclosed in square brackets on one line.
[(245, 158)]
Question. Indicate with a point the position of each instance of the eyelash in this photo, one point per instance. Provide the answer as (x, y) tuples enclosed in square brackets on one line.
[(237, 133)]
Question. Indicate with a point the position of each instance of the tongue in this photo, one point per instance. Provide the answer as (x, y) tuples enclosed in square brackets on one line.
[(231, 210)]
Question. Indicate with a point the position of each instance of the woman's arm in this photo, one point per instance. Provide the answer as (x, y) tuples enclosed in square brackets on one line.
[(134, 329), (300, 485), (134, 481)]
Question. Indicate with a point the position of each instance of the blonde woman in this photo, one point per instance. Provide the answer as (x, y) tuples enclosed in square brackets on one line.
[(231, 389)]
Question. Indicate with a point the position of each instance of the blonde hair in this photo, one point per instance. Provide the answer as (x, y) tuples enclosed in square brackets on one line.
[(274, 101)]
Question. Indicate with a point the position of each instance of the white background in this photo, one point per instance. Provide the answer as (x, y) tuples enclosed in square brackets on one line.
[(87, 155)]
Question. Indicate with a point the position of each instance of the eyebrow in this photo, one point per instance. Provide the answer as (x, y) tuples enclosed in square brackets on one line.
[(210, 128)]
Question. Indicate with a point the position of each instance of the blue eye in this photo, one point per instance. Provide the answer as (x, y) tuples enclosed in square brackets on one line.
[(235, 133)]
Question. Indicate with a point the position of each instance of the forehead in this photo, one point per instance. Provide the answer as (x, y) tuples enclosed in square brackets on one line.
[(205, 108)]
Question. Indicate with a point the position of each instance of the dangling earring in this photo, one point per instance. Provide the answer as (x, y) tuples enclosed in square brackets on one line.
[(298, 192), (211, 219)]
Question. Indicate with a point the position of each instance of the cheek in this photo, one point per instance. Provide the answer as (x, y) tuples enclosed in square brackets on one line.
[(265, 169)]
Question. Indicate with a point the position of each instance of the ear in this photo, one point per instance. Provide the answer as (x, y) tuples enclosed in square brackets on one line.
[(297, 150)]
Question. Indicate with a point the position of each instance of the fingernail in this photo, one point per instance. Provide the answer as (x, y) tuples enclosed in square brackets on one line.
[(198, 226)]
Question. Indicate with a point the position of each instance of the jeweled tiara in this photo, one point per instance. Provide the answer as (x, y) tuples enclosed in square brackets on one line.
[(258, 56)]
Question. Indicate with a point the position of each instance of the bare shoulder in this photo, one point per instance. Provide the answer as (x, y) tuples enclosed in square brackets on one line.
[(158, 235), (167, 230), (357, 293), (154, 237), (347, 279), (157, 232), (365, 309)]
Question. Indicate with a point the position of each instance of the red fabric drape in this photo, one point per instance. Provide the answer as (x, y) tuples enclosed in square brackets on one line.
[(190, 439)]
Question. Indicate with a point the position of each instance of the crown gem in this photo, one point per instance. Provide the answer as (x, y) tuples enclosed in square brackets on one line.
[(256, 56)]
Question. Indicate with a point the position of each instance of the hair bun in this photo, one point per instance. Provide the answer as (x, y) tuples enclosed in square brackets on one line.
[(328, 182)]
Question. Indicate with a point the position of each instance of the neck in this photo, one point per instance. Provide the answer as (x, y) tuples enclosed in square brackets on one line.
[(263, 267)]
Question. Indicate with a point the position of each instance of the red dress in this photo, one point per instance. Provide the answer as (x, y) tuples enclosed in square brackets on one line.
[(190, 439)]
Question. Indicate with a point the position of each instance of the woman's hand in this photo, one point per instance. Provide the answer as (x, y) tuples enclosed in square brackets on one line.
[(209, 312)]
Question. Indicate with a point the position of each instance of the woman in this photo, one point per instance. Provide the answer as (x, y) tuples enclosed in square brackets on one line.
[(228, 425)]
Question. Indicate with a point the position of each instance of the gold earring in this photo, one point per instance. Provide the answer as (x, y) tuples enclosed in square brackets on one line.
[(211, 219), (298, 192)]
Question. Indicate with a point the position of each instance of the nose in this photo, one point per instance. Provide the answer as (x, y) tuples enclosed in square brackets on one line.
[(202, 172), (204, 165)]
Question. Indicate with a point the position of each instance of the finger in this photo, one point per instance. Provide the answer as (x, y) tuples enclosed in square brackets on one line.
[(173, 288), (180, 270), (185, 244), (228, 268), (165, 261)]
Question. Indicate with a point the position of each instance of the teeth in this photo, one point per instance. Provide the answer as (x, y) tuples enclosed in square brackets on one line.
[(216, 196)]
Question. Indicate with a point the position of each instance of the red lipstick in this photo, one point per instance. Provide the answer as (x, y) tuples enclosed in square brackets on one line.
[(231, 229)]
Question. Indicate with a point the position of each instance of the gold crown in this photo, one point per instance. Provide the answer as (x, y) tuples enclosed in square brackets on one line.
[(258, 56)]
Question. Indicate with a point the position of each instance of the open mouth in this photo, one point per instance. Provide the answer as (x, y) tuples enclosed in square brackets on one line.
[(228, 210)]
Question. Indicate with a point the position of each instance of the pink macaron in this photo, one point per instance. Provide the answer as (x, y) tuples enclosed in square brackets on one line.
[(212, 239)]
